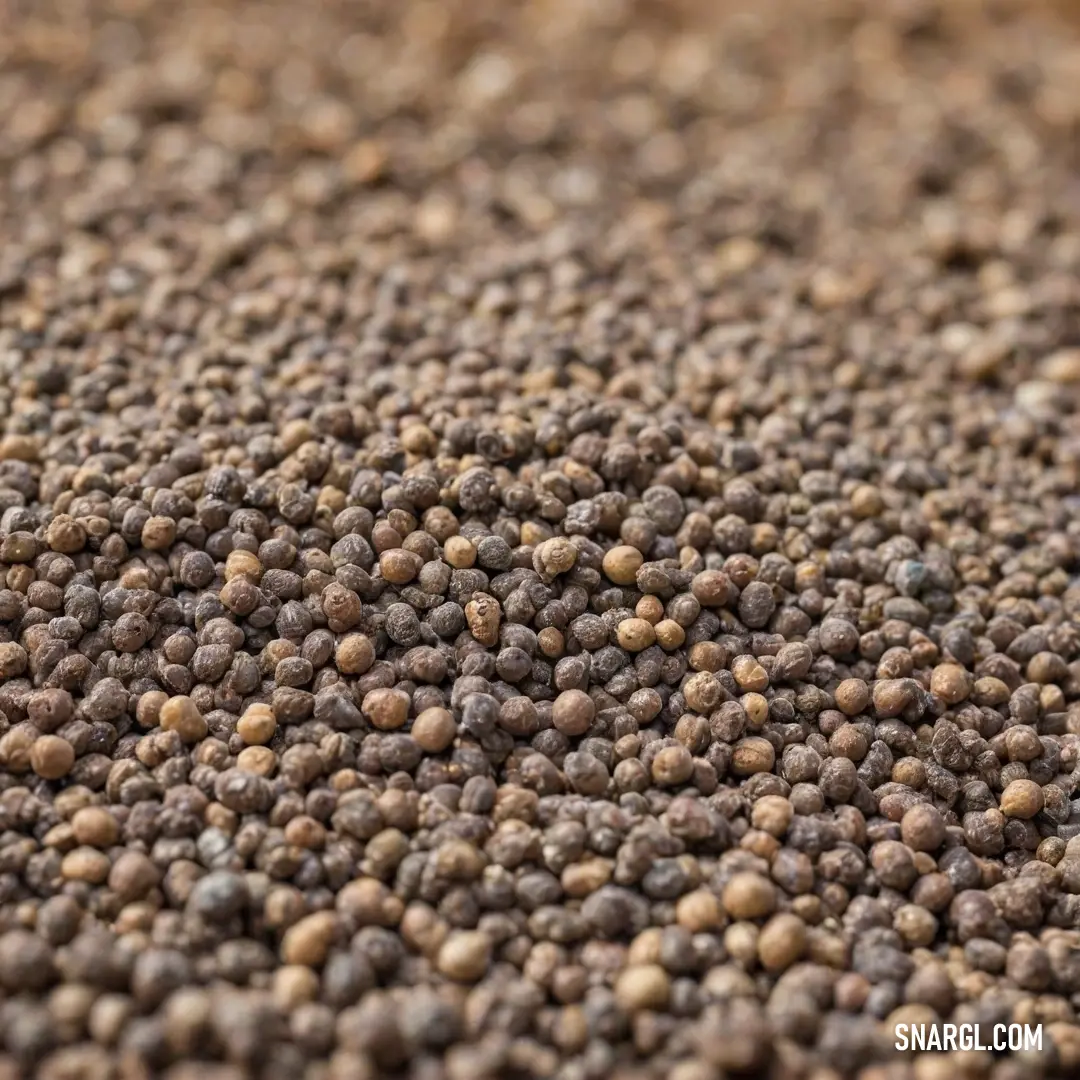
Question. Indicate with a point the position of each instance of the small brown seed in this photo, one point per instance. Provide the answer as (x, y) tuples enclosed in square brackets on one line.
[(483, 615), (669, 634), (782, 942), (1022, 799), (915, 925), (258, 725), (65, 534), (923, 828), (572, 712), (622, 563), (398, 566), (308, 941), (52, 757), (257, 759), (752, 755), (245, 564), (465, 956), (386, 709), (644, 986), (651, 609), (951, 683), (852, 696), (354, 654), (553, 557), (181, 714), (434, 729), (749, 896), (95, 827), (699, 911), (749, 674), (459, 552), (672, 766), (773, 814), (85, 864), (133, 875), (148, 710), (158, 533), (635, 634)]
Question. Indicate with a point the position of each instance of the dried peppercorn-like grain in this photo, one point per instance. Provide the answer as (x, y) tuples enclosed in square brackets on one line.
[(537, 543)]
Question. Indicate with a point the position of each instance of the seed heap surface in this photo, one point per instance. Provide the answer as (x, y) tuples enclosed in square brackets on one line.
[(538, 540)]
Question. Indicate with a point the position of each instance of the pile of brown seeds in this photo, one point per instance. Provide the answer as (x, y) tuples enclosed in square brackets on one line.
[(538, 540)]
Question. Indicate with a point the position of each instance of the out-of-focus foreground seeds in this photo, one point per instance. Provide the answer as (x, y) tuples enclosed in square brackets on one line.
[(538, 540)]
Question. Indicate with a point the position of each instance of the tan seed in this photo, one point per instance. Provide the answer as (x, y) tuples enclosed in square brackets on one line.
[(181, 714), (51, 757), (621, 564), (752, 755), (465, 956), (258, 725), (782, 942), (635, 634), (1022, 799), (308, 941), (645, 986), (749, 896)]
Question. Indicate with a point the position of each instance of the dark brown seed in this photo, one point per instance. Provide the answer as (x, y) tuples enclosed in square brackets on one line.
[(538, 542)]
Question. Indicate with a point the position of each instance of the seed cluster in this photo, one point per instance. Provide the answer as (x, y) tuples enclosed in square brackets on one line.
[(538, 540)]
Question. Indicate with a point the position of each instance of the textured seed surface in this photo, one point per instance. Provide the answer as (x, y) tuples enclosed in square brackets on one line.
[(538, 540)]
